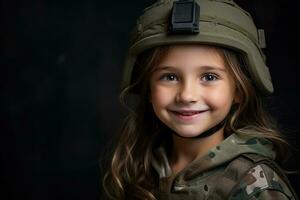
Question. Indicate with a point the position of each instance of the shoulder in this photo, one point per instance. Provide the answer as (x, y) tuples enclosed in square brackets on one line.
[(261, 182)]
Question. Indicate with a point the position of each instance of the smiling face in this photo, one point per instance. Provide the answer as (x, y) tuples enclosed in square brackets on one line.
[(191, 89)]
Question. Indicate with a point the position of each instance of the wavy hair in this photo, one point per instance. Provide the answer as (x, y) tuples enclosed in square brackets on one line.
[(130, 174)]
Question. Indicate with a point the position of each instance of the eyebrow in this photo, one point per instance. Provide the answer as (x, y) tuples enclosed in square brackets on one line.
[(205, 68)]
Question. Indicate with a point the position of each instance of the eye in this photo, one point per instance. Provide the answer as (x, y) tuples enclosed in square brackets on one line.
[(209, 77), (169, 77)]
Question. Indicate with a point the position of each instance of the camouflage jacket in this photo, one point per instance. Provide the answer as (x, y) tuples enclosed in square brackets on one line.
[(198, 180)]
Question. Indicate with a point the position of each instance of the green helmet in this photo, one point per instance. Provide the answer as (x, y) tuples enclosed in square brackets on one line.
[(216, 22)]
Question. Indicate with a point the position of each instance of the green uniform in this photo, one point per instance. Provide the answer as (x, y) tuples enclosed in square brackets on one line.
[(202, 177)]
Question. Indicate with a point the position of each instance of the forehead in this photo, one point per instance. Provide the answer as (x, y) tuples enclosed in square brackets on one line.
[(193, 55)]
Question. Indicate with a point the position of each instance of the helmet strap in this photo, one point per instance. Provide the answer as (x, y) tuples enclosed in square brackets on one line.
[(208, 132)]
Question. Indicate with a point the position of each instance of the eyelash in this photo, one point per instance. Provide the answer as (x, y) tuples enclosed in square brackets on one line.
[(165, 77)]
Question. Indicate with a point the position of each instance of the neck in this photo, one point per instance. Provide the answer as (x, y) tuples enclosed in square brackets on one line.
[(185, 150)]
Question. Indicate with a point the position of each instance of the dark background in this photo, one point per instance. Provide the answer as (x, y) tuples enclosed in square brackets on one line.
[(61, 64)]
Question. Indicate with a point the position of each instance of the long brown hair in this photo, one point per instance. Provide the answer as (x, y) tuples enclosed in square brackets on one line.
[(129, 174)]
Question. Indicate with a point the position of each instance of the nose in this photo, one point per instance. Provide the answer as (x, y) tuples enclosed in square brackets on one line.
[(188, 92)]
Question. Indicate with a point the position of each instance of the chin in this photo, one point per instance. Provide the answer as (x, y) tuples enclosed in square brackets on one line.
[(188, 133)]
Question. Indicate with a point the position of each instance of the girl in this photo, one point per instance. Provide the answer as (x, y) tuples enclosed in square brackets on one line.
[(198, 129)]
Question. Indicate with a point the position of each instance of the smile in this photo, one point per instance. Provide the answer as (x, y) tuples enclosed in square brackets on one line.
[(187, 116)]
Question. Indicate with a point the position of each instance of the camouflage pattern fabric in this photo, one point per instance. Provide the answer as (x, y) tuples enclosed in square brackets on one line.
[(198, 180), (262, 183)]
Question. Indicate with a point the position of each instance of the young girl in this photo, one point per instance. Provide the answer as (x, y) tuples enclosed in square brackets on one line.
[(198, 129)]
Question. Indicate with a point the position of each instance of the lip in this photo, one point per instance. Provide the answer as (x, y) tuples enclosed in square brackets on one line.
[(187, 115)]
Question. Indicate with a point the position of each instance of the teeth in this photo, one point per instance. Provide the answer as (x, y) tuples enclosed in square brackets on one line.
[(189, 113)]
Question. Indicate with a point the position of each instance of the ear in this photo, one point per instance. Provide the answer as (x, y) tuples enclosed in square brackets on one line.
[(237, 98)]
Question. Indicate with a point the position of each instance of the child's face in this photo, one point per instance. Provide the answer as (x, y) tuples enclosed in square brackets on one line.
[(191, 89)]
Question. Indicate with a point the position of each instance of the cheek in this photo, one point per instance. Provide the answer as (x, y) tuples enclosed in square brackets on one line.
[(160, 96), (221, 98)]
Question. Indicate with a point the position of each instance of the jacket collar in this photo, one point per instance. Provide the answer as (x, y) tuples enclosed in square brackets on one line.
[(230, 148)]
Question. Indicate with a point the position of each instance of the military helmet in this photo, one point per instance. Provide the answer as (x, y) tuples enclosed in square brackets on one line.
[(215, 22)]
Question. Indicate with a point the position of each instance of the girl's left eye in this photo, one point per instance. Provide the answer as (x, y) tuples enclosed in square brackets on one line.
[(209, 77)]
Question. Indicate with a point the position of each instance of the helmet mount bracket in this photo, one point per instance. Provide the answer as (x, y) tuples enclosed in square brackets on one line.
[(185, 17)]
